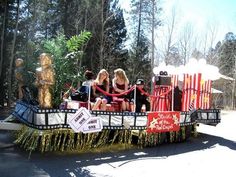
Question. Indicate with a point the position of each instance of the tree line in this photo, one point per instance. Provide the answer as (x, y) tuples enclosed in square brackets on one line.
[(26, 26)]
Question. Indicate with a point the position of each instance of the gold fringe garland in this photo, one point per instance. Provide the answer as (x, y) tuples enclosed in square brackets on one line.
[(141, 136), (67, 140), (154, 139), (195, 133), (183, 135), (116, 133), (172, 137), (177, 136)]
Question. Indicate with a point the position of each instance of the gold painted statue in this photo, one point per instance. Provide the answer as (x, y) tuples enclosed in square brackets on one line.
[(44, 81), (19, 75)]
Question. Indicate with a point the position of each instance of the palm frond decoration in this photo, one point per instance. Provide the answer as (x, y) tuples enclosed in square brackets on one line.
[(66, 56), (76, 42)]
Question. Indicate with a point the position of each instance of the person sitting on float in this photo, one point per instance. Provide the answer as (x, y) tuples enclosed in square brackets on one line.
[(102, 81), (89, 78), (81, 93), (140, 97), (120, 84), (87, 84)]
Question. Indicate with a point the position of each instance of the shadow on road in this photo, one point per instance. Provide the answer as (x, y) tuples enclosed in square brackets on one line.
[(14, 161), (62, 165)]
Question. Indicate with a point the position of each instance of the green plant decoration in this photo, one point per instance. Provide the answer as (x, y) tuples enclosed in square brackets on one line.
[(66, 55)]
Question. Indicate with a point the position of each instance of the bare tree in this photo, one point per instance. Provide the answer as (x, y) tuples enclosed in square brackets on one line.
[(105, 18), (212, 33), (171, 27), (155, 22), (153, 32), (186, 41), (102, 36), (206, 42)]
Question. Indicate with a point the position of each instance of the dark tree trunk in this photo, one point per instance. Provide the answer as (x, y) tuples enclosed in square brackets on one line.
[(3, 37), (2, 96), (9, 77)]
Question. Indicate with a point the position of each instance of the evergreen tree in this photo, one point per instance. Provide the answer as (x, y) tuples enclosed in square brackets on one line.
[(9, 33), (115, 55), (141, 67), (142, 19), (227, 65), (40, 20), (227, 55)]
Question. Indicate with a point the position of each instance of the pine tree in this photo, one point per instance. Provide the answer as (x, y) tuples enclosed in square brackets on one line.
[(227, 55), (115, 55), (227, 63), (142, 19)]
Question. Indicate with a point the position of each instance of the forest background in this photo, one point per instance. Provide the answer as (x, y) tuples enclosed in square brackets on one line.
[(29, 28)]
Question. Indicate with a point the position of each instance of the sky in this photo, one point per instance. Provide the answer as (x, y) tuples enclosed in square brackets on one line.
[(201, 13)]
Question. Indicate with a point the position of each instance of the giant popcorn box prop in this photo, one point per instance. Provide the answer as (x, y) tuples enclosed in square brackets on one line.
[(195, 82), (196, 91)]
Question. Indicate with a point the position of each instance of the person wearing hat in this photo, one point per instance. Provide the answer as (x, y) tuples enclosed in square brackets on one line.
[(141, 98)]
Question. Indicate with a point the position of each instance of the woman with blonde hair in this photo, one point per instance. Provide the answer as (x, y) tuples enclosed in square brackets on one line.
[(120, 84), (101, 81)]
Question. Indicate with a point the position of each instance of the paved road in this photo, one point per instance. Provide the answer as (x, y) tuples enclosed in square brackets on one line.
[(212, 153)]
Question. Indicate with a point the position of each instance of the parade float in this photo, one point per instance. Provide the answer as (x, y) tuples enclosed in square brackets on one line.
[(181, 99)]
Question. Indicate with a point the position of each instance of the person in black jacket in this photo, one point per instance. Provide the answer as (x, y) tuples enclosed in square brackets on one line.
[(177, 99), (141, 98)]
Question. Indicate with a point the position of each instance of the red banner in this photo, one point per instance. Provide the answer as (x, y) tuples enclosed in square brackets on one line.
[(163, 122)]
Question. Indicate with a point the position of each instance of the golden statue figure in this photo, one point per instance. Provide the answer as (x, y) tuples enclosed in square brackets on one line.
[(19, 75), (44, 81)]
